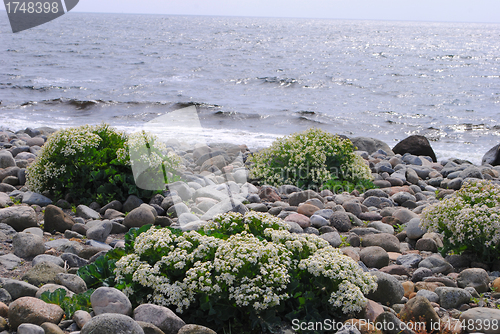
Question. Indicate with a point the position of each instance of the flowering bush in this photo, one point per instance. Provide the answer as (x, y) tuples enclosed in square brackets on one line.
[(469, 220), (309, 159), (246, 269), (88, 163)]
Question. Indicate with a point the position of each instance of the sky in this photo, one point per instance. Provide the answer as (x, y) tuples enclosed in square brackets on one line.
[(400, 10)]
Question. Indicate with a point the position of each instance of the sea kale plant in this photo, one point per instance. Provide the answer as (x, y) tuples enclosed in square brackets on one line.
[(89, 163), (244, 271), (310, 159), (469, 220)]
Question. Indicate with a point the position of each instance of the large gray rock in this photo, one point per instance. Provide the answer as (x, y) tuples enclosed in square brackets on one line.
[(477, 278), (28, 245), (387, 241), (48, 258), (30, 329), (409, 260), (10, 261), (34, 311), (18, 289), (341, 221), (402, 197), (389, 290), (492, 157), (110, 300), (19, 217), (6, 159), (371, 145), (111, 323), (87, 213), (416, 145), (73, 282), (300, 197), (160, 316), (32, 198), (404, 215), (100, 231), (374, 257), (5, 200), (115, 205), (139, 217), (414, 230), (131, 203), (471, 172), (56, 220), (436, 264), (333, 238), (452, 297), (43, 273), (481, 320)]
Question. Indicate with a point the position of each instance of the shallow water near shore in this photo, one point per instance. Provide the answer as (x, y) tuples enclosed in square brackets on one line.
[(254, 79)]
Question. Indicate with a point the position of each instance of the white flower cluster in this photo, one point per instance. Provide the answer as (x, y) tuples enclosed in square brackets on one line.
[(309, 156), (470, 214), (246, 269), (145, 149), (68, 143)]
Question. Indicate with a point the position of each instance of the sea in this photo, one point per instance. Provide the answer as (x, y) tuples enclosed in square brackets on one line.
[(252, 80)]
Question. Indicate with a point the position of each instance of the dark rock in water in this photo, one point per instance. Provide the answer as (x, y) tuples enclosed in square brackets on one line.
[(416, 145), (492, 157), (371, 145)]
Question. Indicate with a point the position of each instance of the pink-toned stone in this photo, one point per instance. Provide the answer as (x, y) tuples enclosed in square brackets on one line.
[(395, 269), (33, 311), (371, 311), (300, 219), (393, 256), (307, 209)]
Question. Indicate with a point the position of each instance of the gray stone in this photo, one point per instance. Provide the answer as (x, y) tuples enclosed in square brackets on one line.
[(182, 189), (391, 324), (6, 188), (225, 206), (100, 231), (5, 296), (384, 240), (111, 323), (431, 296), (325, 213), (341, 221), (409, 260), (371, 145), (414, 230), (131, 203), (30, 329), (160, 316), (32, 198), (389, 290), (452, 297), (333, 238), (427, 245), (48, 258), (42, 273), (139, 217), (492, 157), (186, 218), (370, 216), (300, 197), (436, 264), (373, 201), (295, 228), (353, 207), (33, 310), (73, 260), (420, 274), (6, 159), (382, 227), (374, 257), (472, 172), (318, 221), (178, 209), (110, 300), (481, 320), (18, 289), (195, 329), (19, 217), (115, 205), (149, 328), (28, 245), (5, 200), (476, 278), (10, 261), (402, 197), (365, 230), (259, 207), (455, 184), (81, 317), (404, 215), (86, 213), (73, 282)]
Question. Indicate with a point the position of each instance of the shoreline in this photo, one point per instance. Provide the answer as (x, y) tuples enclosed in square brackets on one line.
[(380, 226)]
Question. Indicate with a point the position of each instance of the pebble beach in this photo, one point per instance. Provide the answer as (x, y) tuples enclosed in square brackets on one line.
[(44, 241)]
